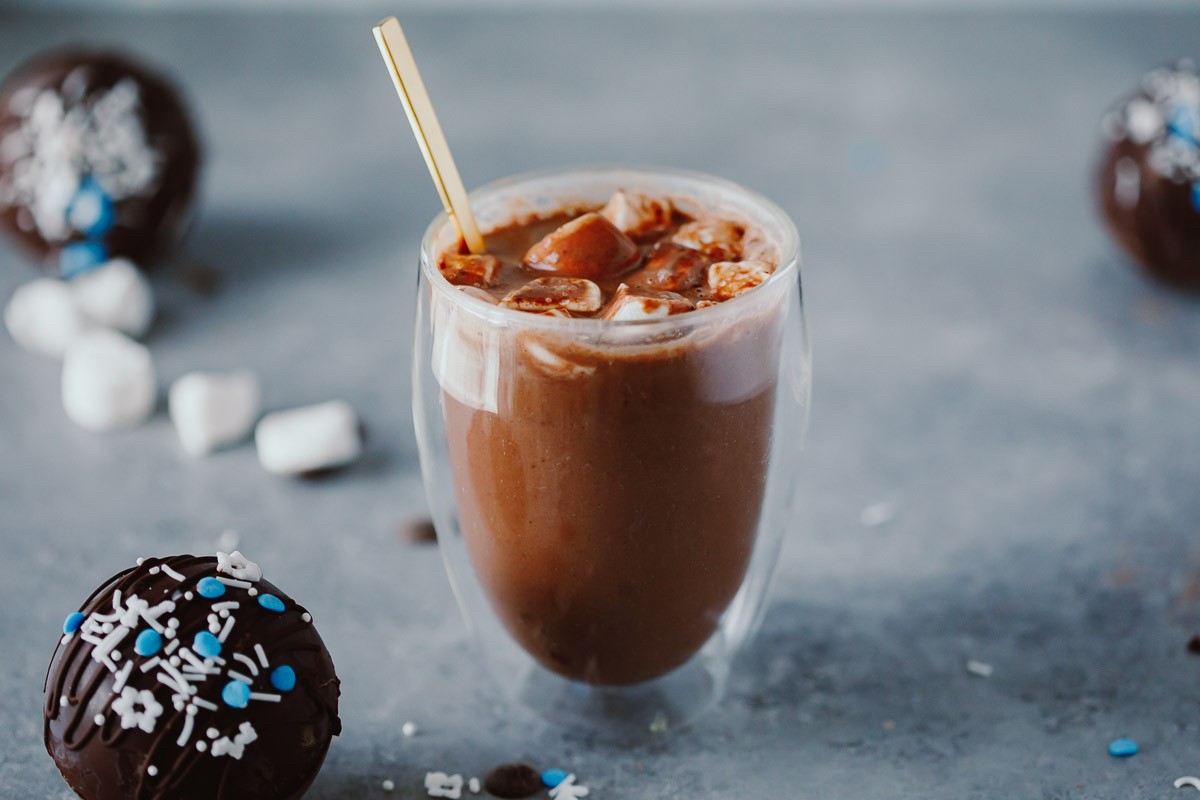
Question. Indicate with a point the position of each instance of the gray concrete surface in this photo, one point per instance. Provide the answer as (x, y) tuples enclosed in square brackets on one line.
[(983, 360)]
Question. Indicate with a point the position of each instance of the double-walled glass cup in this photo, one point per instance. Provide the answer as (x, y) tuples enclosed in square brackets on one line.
[(610, 496)]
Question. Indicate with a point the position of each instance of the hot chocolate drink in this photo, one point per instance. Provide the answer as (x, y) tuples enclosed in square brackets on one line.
[(609, 477)]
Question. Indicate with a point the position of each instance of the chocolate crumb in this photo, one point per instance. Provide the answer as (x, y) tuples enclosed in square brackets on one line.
[(1193, 645), (417, 530), (201, 278), (513, 781)]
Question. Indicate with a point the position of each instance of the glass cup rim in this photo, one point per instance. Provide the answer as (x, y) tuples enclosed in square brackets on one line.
[(789, 261)]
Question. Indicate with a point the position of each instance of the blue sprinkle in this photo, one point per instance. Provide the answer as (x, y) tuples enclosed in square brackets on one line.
[(147, 643), (72, 622), (1122, 748), (1183, 123), (283, 678), (553, 777), (77, 258), (91, 210), (210, 588), (1196, 196), (270, 602), (206, 645), (236, 694)]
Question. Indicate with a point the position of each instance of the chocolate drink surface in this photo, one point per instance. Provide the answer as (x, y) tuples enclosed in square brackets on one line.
[(609, 492)]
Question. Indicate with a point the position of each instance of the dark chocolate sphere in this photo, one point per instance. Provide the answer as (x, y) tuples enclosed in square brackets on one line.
[(1148, 182), (98, 159), (190, 678)]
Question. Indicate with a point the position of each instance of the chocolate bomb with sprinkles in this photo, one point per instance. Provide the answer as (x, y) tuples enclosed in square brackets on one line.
[(190, 677), (99, 158)]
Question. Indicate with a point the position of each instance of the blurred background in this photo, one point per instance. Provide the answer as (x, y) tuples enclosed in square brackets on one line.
[(1002, 463)]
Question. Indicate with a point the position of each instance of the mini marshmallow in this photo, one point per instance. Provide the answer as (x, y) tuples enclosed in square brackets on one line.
[(212, 409), (637, 214), (634, 304), (728, 279), (671, 267), (115, 295), (42, 317), (719, 239), (586, 247), (471, 270), (108, 381), (308, 439), (556, 294)]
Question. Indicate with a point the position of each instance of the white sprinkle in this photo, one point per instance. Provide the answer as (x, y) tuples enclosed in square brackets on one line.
[(201, 745), (253, 592), (204, 704), (151, 770), (223, 614), (174, 661), (225, 631), (473, 785), (151, 664), (307, 617), (979, 668), (1187, 780), (213, 733), (62, 701), (172, 573), (878, 514), (249, 662), (122, 676), (227, 605), (154, 570), (262, 655), (237, 676), (116, 655), (235, 583), (141, 561), (98, 719), (269, 698), (389, 785), (188, 595), (192, 710), (171, 645), (172, 623), (409, 729)]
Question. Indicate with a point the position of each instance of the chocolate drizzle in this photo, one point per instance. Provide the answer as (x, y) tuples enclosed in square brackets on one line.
[(156, 741)]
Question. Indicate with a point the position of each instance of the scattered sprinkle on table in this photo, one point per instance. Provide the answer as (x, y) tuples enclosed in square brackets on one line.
[(659, 723), (473, 785), (553, 777), (409, 729), (1122, 748), (389, 785), (1187, 780), (979, 668), (569, 790)]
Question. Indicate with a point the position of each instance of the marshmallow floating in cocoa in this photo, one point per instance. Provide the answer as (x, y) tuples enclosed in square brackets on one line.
[(115, 295), (42, 317), (588, 246), (309, 439), (547, 295), (719, 239), (672, 268), (108, 381), (213, 409), (631, 303), (471, 270), (728, 279), (637, 213)]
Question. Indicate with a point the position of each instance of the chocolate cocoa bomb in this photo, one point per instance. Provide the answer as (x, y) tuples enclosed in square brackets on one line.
[(98, 159), (190, 677), (1148, 182)]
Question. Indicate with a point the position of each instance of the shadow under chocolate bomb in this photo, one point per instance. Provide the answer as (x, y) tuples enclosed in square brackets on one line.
[(190, 678)]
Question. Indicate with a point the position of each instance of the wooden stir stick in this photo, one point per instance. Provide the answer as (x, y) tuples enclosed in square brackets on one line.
[(393, 46)]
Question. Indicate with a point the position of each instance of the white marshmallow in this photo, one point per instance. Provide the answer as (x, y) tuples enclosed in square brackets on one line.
[(107, 381), (308, 439), (115, 295), (42, 317), (636, 214), (213, 409)]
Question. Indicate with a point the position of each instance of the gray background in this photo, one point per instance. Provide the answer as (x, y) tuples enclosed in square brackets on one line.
[(983, 359)]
